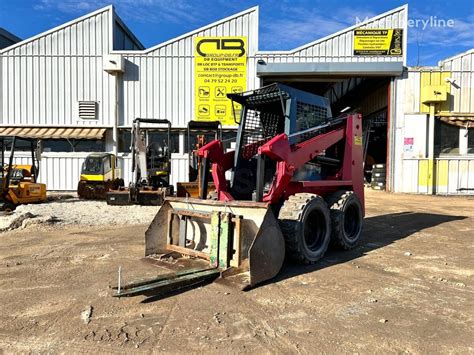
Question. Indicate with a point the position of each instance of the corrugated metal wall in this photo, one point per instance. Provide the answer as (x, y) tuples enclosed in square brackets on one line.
[(159, 82), (43, 78), (452, 173), (339, 47), (58, 172), (462, 71), (459, 68), (454, 176)]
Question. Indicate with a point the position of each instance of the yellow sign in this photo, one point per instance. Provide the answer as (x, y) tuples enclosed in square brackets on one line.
[(357, 140), (378, 42), (220, 68)]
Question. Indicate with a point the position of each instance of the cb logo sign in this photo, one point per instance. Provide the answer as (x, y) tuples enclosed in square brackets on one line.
[(210, 46)]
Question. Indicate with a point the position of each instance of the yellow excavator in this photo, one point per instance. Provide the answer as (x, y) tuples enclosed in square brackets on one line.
[(151, 167), (99, 174), (19, 181)]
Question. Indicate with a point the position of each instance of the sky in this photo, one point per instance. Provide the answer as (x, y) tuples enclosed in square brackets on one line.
[(437, 29)]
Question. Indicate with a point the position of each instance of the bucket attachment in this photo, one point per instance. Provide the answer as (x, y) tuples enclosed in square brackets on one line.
[(238, 240)]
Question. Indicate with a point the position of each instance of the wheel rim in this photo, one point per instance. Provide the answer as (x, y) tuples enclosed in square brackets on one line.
[(315, 230), (351, 221)]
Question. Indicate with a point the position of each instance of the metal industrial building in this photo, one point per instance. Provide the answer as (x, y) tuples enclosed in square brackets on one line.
[(50, 80)]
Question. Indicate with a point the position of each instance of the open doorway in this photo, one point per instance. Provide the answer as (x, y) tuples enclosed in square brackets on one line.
[(365, 95)]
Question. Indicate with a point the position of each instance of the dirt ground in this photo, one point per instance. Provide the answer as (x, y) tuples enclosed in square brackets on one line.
[(408, 288)]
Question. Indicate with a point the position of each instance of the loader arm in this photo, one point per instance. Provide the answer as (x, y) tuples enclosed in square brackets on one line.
[(289, 158), (213, 154)]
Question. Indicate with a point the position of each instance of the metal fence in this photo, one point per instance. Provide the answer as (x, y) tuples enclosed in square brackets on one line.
[(452, 176), (61, 172)]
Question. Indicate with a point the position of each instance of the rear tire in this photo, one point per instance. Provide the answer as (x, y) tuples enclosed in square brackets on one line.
[(306, 225), (347, 219)]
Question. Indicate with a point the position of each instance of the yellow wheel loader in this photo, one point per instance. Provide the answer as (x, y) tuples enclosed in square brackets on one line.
[(99, 175), (19, 181)]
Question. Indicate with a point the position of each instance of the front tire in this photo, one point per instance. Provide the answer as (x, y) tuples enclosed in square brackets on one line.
[(306, 225)]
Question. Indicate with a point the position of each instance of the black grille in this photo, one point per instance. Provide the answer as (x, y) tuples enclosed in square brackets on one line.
[(259, 128), (309, 116), (270, 94)]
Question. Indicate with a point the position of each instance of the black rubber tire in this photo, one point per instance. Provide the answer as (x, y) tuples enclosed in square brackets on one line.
[(379, 166), (379, 180), (377, 174), (8, 207), (299, 217), (378, 183), (380, 171), (347, 219)]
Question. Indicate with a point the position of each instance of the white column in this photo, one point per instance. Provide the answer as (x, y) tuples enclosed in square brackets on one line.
[(114, 105), (463, 141), (431, 163)]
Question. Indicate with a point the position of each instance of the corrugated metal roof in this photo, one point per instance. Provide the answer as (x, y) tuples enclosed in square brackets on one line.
[(53, 132)]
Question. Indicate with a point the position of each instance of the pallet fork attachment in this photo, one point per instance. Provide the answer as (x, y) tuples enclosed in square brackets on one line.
[(239, 240)]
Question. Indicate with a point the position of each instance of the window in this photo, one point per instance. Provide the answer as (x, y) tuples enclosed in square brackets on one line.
[(88, 145), (125, 140), (93, 165), (470, 140), (161, 137), (73, 145), (107, 164), (20, 145), (56, 145), (446, 139)]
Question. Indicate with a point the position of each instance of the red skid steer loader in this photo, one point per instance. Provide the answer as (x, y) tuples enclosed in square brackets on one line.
[(296, 186)]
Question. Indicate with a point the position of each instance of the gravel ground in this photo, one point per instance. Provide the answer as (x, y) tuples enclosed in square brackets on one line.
[(75, 212), (407, 289)]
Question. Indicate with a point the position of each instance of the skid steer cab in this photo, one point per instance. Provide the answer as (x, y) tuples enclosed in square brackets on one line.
[(99, 174), (19, 181), (296, 187)]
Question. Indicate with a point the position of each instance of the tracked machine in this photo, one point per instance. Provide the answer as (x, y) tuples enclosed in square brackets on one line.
[(296, 187), (151, 167)]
